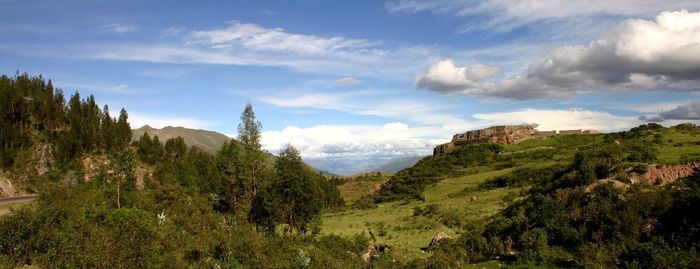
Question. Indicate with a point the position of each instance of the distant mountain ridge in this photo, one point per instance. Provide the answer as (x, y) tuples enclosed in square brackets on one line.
[(398, 164), (209, 141)]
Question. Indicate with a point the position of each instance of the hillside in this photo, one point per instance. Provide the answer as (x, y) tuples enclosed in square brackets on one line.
[(482, 204), (209, 141)]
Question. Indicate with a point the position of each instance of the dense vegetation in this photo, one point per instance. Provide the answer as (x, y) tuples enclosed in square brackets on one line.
[(33, 112), (410, 183), (107, 203), (564, 222), (155, 203)]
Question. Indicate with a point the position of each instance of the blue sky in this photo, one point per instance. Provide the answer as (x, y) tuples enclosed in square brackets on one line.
[(367, 81)]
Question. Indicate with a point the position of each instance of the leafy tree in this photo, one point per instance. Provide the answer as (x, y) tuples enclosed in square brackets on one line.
[(122, 165), (297, 191)]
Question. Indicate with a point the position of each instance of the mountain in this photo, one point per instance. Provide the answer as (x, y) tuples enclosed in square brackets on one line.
[(351, 166), (208, 141), (397, 164)]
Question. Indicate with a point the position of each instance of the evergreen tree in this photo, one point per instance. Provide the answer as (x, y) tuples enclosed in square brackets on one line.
[(123, 130), (107, 129), (252, 158)]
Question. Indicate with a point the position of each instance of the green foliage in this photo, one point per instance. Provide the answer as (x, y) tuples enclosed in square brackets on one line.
[(32, 111), (604, 228), (410, 183)]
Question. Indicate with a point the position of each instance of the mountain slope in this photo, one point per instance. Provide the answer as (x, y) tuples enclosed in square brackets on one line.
[(208, 141), (398, 164)]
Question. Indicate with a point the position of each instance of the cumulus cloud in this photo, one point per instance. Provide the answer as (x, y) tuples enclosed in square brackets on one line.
[(400, 139), (562, 119), (663, 54), (391, 139), (347, 81), (137, 120), (689, 111)]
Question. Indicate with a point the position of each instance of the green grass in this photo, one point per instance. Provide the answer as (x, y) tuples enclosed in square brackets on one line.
[(678, 146), (4, 209), (354, 189), (405, 233)]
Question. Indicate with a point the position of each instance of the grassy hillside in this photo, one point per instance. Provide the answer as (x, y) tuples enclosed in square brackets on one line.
[(474, 194), (209, 141)]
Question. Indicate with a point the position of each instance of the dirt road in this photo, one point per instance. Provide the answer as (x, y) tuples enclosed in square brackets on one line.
[(5, 203)]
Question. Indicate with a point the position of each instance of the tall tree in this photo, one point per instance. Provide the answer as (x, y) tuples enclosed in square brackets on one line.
[(252, 157), (296, 189), (123, 130)]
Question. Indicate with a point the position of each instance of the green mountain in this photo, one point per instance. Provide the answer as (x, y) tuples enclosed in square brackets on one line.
[(208, 141)]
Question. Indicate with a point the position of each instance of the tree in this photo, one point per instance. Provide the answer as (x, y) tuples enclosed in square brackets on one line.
[(175, 148), (252, 159), (298, 193), (107, 129), (121, 163), (263, 211), (123, 130)]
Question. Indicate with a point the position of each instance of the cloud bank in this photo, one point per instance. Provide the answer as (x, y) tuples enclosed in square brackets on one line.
[(663, 54)]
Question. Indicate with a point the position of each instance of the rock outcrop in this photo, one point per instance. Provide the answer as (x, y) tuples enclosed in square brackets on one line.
[(43, 159), (656, 174), (6, 188), (509, 134), (435, 242)]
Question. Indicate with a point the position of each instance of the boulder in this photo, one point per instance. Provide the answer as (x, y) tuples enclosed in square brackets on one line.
[(372, 251)]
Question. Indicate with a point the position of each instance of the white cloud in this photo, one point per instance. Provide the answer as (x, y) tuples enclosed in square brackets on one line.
[(120, 88), (251, 44), (663, 54), (400, 139), (119, 28), (684, 112), (505, 15), (562, 119), (418, 111), (347, 81), (137, 120), (391, 139)]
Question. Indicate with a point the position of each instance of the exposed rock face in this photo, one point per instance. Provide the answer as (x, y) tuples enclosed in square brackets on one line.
[(656, 175), (6, 188), (664, 174), (91, 166), (512, 134), (43, 157)]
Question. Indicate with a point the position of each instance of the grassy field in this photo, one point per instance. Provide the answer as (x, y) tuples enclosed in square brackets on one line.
[(354, 189), (677, 146), (394, 223)]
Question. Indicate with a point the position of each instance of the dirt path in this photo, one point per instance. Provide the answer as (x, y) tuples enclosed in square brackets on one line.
[(5, 203)]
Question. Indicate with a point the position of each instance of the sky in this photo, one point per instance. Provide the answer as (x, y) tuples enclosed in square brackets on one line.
[(356, 83)]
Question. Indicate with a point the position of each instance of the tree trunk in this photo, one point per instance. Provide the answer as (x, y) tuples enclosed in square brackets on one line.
[(118, 187)]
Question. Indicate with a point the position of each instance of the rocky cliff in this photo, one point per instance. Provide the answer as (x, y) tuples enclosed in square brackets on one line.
[(509, 134)]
